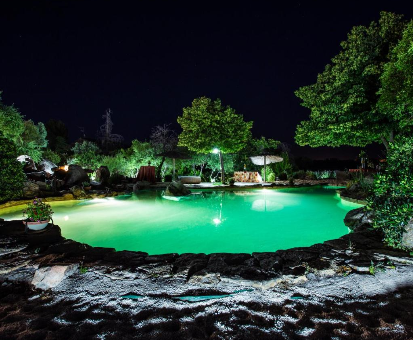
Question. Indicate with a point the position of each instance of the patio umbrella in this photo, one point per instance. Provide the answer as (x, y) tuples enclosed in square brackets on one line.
[(174, 154), (267, 157)]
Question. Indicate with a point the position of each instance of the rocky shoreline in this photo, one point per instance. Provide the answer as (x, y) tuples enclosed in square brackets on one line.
[(306, 292)]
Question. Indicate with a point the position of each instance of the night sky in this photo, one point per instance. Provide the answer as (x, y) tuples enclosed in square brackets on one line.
[(146, 60)]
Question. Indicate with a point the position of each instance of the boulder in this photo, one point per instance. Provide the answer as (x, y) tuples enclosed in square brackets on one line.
[(407, 239), (75, 176), (103, 175), (49, 277), (30, 190), (28, 163), (189, 264), (141, 185), (177, 189), (269, 261), (78, 192), (358, 219)]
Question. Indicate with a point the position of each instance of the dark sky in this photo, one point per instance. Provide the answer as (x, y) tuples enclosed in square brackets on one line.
[(146, 60)]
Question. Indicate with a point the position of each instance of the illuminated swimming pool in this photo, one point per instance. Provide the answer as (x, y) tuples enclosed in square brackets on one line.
[(205, 222)]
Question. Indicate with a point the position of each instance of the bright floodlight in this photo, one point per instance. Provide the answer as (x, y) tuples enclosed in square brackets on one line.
[(217, 220), (216, 150)]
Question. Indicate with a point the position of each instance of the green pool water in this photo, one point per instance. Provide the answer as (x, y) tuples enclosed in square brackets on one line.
[(206, 222)]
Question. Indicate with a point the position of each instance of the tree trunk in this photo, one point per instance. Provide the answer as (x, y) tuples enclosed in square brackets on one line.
[(222, 167), (158, 170), (390, 140)]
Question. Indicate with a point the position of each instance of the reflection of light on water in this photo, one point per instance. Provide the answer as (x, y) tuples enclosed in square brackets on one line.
[(216, 221), (66, 218), (266, 205)]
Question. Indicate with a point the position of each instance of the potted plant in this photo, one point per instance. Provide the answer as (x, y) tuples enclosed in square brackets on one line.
[(38, 214)]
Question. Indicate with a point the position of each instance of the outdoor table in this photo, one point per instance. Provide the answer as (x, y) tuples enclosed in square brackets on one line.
[(247, 176), (146, 173)]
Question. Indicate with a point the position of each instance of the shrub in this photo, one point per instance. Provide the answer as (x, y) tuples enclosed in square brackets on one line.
[(283, 176), (325, 174), (392, 197), (270, 174), (51, 156), (11, 171), (300, 174), (310, 175), (115, 179)]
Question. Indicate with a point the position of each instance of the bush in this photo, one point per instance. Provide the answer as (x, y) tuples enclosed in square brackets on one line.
[(325, 174), (310, 175), (230, 181), (115, 179), (11, 171), (392, 197), (51, 156), (300, 174), (283, 176)]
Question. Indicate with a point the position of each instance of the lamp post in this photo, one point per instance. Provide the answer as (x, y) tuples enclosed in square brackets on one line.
[(216, 150)]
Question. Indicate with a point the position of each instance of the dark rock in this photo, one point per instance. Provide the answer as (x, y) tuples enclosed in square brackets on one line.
[(126, 258), (50, 235), (96, 253), (250, 273), (28, 163), (269, 261), (357, 219), (177, 189), (296, 256), (229, 258), (294, 270), (190, 263), (75, 176), (165, 258), (78, 191), (103, 175), (141, 185), (30, 190), (68, 247)]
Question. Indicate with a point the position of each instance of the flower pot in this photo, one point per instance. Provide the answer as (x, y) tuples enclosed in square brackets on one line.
[(37, 225)]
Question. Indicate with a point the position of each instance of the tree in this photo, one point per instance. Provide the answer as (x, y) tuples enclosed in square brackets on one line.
[(343, 101), (163, 139), (11, 171), (33, 140), (11, 123), (396, 93), (87, 154), (207, 125)]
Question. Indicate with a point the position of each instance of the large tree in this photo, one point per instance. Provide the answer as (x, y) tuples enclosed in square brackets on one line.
[(207, 125), (343, 101), (29, 138), (396, 93)]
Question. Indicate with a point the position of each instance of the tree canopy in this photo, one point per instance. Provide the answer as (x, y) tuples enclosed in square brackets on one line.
[(207, 125), (396, 93), (343, 101)]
